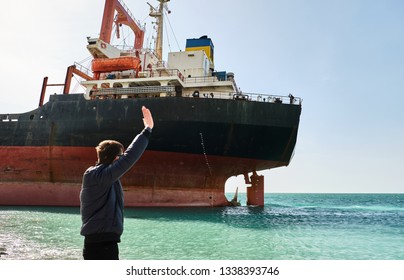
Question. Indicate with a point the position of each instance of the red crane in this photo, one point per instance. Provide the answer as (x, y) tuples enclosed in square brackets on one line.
[(123, 16), (115, 11)]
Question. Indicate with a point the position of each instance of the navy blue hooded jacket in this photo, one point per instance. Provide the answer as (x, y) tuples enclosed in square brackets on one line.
[(101, 196)]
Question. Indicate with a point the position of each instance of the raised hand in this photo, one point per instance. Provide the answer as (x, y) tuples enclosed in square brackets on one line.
[(147, 117)]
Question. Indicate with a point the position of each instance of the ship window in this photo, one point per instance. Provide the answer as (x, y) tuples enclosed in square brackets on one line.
[(31, 117)]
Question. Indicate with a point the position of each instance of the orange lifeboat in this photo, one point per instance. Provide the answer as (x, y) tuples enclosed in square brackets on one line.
[(103, 65)]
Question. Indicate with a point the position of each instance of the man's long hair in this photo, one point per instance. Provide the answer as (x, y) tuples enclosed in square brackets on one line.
[(108, 150)]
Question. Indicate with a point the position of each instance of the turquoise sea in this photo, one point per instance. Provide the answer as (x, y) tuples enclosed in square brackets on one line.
[(289, 227)]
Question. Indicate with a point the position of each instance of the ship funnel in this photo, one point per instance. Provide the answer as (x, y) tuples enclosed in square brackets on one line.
[(204, 43)]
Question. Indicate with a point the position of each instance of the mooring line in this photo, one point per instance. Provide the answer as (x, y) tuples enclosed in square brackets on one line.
[(204, 153)]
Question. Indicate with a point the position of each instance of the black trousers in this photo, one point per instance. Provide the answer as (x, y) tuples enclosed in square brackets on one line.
[(101, 251)]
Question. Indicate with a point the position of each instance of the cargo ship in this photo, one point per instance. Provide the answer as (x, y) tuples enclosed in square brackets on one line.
[(206, 129)]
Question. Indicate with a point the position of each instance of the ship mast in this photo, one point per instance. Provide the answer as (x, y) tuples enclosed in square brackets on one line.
[(158, 14)]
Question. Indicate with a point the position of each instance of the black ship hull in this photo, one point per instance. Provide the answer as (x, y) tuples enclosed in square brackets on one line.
[(197, 144)]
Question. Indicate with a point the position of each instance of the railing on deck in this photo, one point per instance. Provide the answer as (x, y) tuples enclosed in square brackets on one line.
[(146, 91), (162, 72), (83, 69), (256, 97), (169, 91)]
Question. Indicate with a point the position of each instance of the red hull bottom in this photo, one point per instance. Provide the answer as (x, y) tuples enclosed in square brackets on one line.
[(67, 194), (51, 176)]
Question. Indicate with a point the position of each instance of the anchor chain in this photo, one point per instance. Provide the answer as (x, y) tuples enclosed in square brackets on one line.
[(204, 153)]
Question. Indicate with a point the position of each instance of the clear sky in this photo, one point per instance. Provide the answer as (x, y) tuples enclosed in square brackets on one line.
[(344, 58)]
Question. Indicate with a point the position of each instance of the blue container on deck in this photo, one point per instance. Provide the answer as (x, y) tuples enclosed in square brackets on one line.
[(221, 75)]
